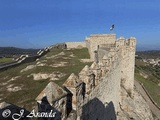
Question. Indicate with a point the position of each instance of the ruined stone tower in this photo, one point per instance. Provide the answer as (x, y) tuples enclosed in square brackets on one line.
[(127, 49)]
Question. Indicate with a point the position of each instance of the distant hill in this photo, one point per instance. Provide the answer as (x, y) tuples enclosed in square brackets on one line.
[(149, 54), (10, 51), (147, 47)]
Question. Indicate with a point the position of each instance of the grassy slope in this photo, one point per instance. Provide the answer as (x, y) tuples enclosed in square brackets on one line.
[(5, 60), (31, 88), (150, 83)]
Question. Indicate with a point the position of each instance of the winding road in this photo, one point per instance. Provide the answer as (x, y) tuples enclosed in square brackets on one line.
[(152, 106)]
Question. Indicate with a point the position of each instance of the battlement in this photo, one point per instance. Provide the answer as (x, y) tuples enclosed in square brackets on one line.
[(126, 42), (113, 68), (99, 91)]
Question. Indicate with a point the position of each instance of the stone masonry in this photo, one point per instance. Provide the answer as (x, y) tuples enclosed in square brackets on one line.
[(101, 96), (94, 40), (103, 91)]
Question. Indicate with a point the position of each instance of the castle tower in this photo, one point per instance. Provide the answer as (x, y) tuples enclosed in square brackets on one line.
[(95, 40), (120, 42), (128, 65)]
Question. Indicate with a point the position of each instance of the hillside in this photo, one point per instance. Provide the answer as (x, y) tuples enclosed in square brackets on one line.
[(10, 51), (22, 84), (147, 71)]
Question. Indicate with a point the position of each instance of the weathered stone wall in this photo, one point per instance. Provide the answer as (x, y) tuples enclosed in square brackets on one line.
[(98, 39), (74, 100), (107, 43), (113, 68), (116, 60), (127, 50), (60, 106), (97, 90), (102, 102), (75, 44)]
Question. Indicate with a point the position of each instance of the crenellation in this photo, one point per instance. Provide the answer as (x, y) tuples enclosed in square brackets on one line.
[(96, 92), (114, 61), (120, 41), (132, 41), (96, 89)]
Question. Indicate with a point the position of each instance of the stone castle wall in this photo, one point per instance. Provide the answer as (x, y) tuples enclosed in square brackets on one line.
[(103, 101), (75, 44), (128, 62), (107, 45), (116, 60), (99, 39), (96, 91)]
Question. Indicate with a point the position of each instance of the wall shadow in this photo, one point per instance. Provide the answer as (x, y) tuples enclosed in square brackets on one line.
[(69, 100), (12, 111), (47, 108), (96, 110)]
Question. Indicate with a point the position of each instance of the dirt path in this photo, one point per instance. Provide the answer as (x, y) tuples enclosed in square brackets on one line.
[(153, 108)]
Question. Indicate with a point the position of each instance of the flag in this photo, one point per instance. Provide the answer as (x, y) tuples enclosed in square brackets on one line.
[(112, 27)]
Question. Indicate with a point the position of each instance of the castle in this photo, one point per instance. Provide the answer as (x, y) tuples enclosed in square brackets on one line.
[(103, 91), (95, 93)]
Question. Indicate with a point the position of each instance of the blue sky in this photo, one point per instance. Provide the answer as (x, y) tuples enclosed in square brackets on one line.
[(40, 23)]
